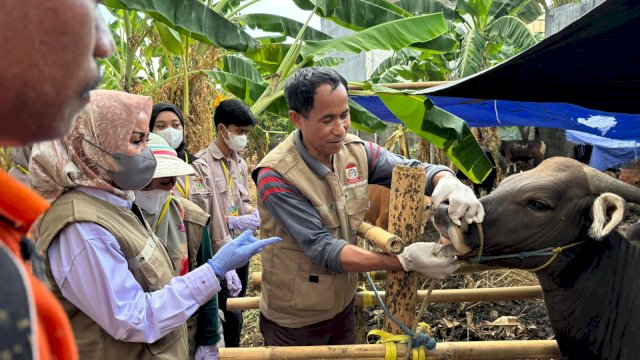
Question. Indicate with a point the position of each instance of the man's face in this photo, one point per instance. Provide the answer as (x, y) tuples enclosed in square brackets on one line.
[(325, 126), (48, 67)]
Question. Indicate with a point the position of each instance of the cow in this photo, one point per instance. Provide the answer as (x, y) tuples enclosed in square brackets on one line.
[(378, 212), (529, 151), (559, 220), (487, 184), (630, 174)]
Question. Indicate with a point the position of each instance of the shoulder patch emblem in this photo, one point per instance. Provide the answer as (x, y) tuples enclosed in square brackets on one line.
[(352, 173)]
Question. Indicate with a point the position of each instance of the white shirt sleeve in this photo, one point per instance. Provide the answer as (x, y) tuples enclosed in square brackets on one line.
[(92, 273)]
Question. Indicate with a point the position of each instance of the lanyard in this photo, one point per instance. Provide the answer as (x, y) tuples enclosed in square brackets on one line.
[(162, 214), (23, 169), (229, 178), (227, 175), (185, 192)]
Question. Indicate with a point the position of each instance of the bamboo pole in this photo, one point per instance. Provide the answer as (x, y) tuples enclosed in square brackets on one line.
[(381, 238), (367, 298), (405, 86), (473, 350), (465, 268), (406, 210)]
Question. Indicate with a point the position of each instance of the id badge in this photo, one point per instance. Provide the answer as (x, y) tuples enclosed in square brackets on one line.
[(234, 210)]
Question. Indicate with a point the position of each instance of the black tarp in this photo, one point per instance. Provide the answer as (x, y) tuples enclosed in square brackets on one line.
[(594, 62)]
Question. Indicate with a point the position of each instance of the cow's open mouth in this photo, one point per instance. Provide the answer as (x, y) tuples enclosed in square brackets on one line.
[(451, 235)]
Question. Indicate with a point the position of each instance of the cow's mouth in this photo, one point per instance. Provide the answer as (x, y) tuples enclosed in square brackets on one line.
[(451, 235)]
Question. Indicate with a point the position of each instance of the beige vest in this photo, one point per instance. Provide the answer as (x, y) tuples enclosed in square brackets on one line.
[(148, 262), (195, 221), (296, 292)]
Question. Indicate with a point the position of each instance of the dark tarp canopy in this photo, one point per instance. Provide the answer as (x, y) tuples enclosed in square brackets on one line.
[(594, 62)]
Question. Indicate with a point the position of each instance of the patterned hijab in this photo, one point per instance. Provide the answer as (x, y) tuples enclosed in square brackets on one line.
[(107, 121)]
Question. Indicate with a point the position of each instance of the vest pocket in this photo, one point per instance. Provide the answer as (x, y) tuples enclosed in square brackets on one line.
[(313, 291), (356, 208), (329, 216)]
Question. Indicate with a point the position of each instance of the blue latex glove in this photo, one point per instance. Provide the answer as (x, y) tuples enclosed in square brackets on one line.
[(237, 252)]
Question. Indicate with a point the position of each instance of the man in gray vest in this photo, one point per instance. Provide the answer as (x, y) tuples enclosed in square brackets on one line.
[(312, 191)]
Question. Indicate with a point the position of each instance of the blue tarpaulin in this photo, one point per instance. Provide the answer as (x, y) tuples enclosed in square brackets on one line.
[(485, 113)]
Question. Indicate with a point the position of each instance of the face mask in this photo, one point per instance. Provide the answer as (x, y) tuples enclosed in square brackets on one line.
[(135, 171), (235, 142), (173, 136), (152, 201)]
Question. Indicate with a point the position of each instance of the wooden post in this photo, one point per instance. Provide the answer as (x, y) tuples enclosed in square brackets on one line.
[(406, 208)]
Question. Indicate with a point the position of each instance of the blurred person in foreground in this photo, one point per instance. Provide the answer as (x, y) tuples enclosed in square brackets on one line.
[(46, 78)]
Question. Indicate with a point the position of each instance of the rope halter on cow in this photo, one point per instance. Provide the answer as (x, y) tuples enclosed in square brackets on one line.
[(549, 251)]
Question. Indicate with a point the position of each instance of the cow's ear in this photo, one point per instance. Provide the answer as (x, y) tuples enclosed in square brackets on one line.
[(608, 211)]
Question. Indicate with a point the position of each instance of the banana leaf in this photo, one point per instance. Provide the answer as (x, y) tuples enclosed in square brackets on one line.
[(282, 25), (394, 35), (513, 31), (363, 120), (170, 38), (358, 14), (444, 130), (194, 19)]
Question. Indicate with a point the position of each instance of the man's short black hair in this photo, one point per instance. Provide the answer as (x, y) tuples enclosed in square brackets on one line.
[(233, 112), (301, 87)]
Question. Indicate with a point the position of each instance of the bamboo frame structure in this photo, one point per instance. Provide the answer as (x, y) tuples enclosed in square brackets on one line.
[(465, 268), (474, 350), (367, 298), (405, 86), (381, 238)]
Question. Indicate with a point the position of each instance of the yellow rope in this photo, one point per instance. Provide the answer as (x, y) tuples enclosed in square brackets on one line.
[(555, 251), (390, 341)]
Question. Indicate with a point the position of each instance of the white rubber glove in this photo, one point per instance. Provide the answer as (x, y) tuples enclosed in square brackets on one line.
[(463, 203), (233, 283), (207, 352), (420, 257)]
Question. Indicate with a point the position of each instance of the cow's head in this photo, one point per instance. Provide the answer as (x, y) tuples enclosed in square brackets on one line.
[(558, 203)]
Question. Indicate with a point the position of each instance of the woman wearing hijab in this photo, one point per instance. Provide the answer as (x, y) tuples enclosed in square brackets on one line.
[(115, 279), (167, 121)]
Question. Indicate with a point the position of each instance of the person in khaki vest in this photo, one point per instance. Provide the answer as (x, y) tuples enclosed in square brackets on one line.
[(183, 228), (312, 192), (113, 276), (220, 188)]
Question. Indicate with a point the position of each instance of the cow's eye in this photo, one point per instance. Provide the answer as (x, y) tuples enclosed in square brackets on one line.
[(538, 206)]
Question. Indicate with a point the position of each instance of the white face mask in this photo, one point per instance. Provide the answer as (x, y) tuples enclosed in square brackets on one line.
[(151, 201), (173, 136), (235, 142)]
